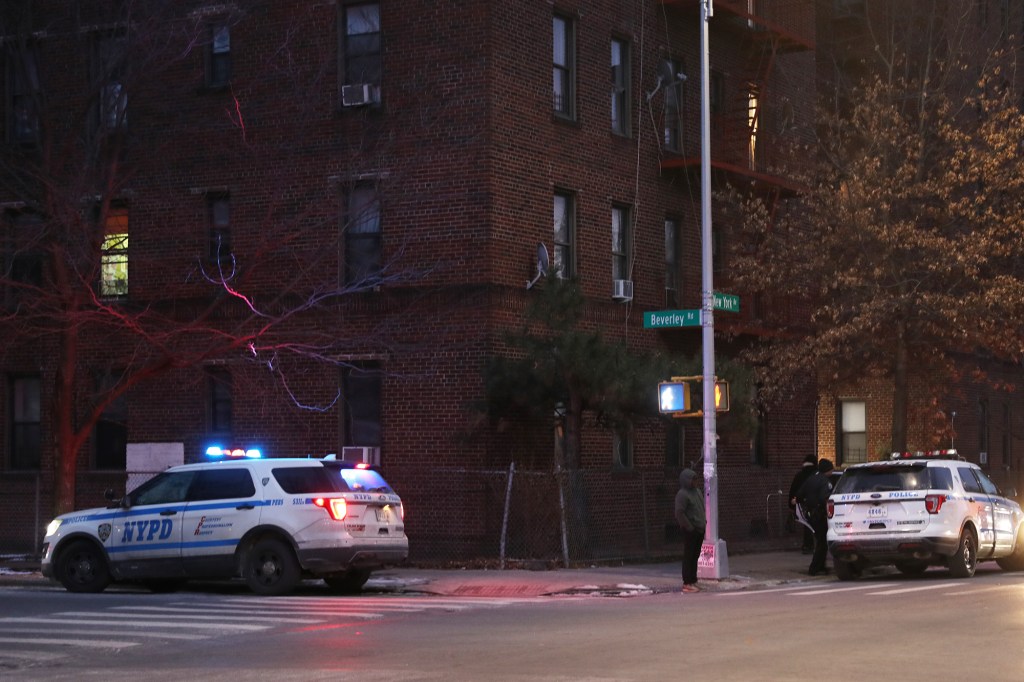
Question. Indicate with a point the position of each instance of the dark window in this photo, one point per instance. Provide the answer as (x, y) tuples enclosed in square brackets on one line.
[(306, 480), (671, 263), (219, 208), (565, 230), (620, 242), (620, 87), (221, 400), (970, 481), (109, 69), (25, 417), (111, 434), (218, 56), (23, 92), (363, 238), (362, 47), (675, 436), (672, 128), (222, 484), (25, 260), (564, 69), (361, 396)]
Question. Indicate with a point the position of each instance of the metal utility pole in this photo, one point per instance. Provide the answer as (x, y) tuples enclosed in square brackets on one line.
[(714, 557)]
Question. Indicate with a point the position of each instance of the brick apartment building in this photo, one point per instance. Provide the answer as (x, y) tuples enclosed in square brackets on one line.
[(227, 162)]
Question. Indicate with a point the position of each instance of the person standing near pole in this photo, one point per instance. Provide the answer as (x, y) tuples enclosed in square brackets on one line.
[(689, 511), (808, 469)]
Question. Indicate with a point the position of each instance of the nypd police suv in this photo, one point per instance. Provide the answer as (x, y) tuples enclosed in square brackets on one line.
[(271, 522), (917, 510)]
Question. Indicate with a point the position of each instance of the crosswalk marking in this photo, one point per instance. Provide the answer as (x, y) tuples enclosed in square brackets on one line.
[(851, 588), (918, 588), (97, 643)]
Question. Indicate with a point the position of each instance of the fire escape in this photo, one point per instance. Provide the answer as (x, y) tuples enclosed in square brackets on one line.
[(751, 123)]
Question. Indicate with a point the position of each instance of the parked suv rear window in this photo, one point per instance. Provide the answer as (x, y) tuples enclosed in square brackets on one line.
[(306, 479), (883, 478)]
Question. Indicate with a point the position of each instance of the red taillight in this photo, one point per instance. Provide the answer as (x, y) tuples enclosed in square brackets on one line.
[(335, 506), (401, 511), (830, 507), (933, 503)]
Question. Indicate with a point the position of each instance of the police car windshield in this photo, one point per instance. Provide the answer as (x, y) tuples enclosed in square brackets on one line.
[(885, 478)]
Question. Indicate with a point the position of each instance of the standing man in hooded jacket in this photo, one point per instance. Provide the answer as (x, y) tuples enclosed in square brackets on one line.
[(689, 510), (813, 496)]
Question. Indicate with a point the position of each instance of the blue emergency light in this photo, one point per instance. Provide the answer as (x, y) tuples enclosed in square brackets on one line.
[(233, 453)]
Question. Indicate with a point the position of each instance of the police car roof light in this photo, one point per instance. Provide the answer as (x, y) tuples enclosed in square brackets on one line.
[(947, 453), (233, 453)]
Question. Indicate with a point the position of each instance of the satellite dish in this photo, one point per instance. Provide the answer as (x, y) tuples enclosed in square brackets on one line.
[(666, 77), (543, 263)]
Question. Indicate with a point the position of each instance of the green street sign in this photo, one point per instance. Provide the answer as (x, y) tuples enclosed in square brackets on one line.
[(726, 302), (666, 319)]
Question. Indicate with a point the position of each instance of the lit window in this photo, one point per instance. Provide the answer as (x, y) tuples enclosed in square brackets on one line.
[(853, 439), (114, 254)]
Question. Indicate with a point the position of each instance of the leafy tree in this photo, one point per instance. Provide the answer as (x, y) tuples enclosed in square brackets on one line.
[(905, 246)]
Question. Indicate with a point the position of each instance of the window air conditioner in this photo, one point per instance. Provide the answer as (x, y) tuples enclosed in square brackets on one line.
[(622, 289), (357, 95), (369, 455)]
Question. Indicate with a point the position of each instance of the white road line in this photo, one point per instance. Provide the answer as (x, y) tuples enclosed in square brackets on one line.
[(193, 614), (740, 593), (837, 590), (96, 643), (132, 631), (146, 623), (918, 588), (32, 655), (977, 590), (264, 613)]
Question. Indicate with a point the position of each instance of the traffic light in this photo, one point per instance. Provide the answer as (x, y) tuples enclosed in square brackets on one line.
[(674, 396), (721, 396)]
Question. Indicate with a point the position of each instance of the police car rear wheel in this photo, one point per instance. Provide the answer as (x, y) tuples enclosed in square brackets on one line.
[(82, 568), (352, 581), (963, 563), (271, 568)]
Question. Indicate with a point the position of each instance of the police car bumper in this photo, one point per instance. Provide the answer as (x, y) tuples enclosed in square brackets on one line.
[(892, 550), (334, 560)]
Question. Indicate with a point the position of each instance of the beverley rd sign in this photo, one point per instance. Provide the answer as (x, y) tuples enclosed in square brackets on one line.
[(665, 319)]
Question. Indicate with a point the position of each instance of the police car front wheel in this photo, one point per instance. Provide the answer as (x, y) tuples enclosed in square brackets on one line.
[(81, 567), (271, 568)]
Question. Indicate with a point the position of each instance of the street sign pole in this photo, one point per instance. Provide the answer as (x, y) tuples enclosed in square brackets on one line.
[(714, 562)]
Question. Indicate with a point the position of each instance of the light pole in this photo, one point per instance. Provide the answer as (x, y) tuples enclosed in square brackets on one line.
[(715, 559)]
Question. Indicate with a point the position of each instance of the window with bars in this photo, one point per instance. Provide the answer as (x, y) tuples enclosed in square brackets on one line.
[(114, 253)]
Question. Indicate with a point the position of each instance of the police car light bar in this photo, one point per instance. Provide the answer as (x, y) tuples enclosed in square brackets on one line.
[(233, 453), (948, 453)]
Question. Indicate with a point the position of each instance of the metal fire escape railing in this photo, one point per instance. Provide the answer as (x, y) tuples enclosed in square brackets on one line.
[(758, 32)]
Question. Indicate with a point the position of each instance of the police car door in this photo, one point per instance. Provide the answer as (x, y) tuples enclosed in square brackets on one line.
[(145, 537), (1004, 519), (984, 509), (222, 507)]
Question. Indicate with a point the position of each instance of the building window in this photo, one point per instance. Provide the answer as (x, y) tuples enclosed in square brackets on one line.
[(620, 242), (111, 435), (24, 425), (565, 229), (114, 253), (24, 264), (218, 56), (363, 239), (22, 95), (671, 262), (622, 453), (564, 68), (853, 437), (361, 397), (362, 44), (219, 391), (672, 116), (111, 54), (219, 209), (753, 125), (620, 87)]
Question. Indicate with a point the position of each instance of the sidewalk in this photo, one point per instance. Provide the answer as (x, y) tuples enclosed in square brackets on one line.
[(745, 571)]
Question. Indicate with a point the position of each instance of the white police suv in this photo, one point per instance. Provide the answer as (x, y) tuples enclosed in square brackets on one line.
[(271, 522), (917, 510)]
